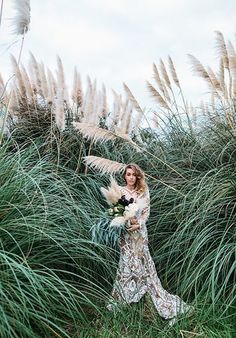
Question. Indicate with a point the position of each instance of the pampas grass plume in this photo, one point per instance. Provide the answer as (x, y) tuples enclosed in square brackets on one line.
[(21, 20), (112, 194)]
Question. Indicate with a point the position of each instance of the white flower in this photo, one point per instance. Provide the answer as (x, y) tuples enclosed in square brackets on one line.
[(117, 221), (131, 211)]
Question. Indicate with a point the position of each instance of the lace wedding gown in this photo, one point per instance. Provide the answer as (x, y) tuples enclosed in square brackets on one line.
[(136, 274)]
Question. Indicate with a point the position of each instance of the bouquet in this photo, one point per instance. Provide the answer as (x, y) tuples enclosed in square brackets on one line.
[(121, 209), (108, 230)]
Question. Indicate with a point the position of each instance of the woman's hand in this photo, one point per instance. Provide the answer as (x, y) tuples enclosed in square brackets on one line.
[(133, 226), (133, 220)]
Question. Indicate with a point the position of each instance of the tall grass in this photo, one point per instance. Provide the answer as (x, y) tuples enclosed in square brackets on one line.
[(196, 225), (48, 273), (50, 200)]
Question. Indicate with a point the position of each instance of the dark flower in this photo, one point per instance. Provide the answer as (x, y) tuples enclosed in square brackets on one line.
[(123, 201)]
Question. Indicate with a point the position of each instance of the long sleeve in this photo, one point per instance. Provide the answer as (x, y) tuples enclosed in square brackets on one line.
[(146, 209)]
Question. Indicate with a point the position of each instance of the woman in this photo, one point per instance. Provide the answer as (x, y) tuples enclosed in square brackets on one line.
[(136, 274)]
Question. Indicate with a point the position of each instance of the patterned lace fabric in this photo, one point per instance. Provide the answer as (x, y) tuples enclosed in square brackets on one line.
[(136, 273)]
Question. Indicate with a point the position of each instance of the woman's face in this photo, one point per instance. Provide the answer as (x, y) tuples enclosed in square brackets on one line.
[(130, 177)]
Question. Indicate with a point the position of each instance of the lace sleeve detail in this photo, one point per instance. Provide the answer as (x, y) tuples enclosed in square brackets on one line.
[(146, 210)]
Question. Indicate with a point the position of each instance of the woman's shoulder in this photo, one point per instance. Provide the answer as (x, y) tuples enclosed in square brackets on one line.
[(144, 192)]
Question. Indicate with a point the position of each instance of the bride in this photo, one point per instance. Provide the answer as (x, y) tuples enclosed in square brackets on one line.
[(136, 274)]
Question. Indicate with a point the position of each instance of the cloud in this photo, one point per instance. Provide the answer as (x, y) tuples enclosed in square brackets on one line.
[(117, 41)]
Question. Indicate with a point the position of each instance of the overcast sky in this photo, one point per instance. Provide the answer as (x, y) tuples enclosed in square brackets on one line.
[(116, 41)]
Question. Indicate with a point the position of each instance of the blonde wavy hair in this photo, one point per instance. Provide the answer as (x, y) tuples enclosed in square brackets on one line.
[(140, 184)]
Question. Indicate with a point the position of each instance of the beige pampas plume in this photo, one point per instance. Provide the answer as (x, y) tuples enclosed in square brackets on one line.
[(77, 92), (232, 58), (116, 109), (61, 83), (102, 107), (61, 96), (104, 111), (92, 112), (43, 80), (160, 83), (200, 70), (165, 74), (157, 96), (173, 72), (94, 115), (28, 86), (113, 193), (128, 120), (104, 165), (231, 49), (88, 102), (1, 85), (19, 81), (93, 132), (96, 107), (3, 93), (221, 46), (158, 79), (59, 112), (214, 80), (132, 98), (52, 88), (137, 121), (75, 83), (222, 78), (35, 75), (21, 20), (124, 126), (14, 104), (120, 122), (232, 68)]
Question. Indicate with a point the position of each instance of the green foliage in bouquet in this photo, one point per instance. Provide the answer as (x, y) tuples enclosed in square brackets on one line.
[(117, 210), (104, 234), (105, 231)]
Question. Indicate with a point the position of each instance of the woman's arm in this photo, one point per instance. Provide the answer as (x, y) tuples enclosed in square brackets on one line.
[(136, 223), (146, 210)]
